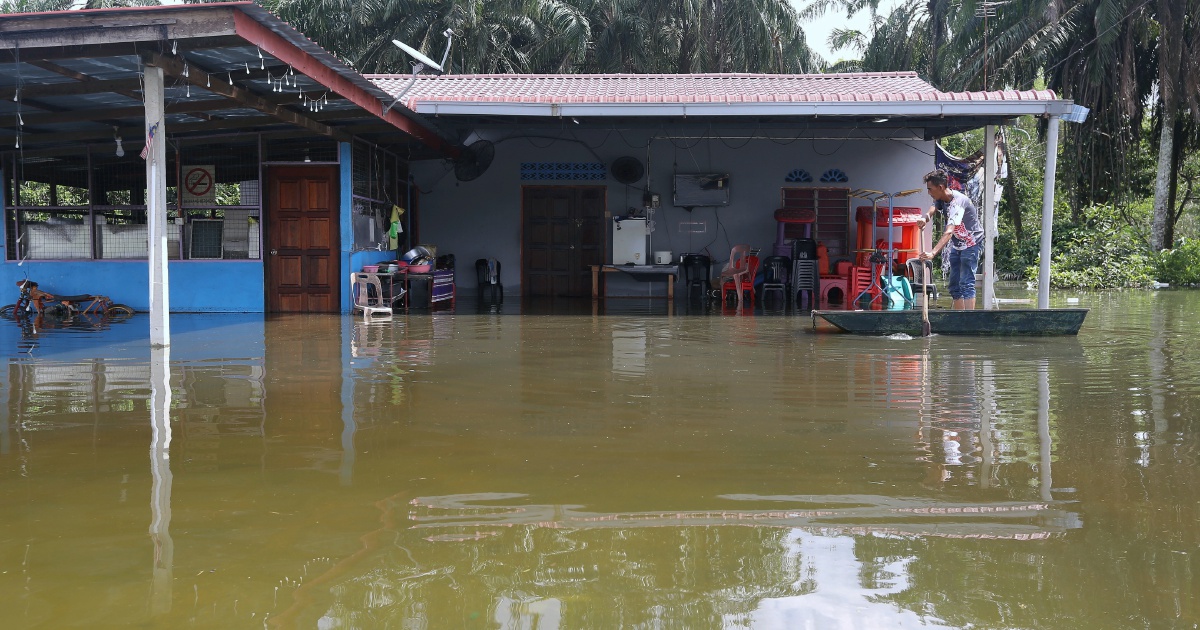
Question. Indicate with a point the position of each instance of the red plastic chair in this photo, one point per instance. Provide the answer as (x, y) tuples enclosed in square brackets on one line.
[(741, 281)]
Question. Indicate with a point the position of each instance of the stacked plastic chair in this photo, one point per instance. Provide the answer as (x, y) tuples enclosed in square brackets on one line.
[(806, 274), (776, 277)]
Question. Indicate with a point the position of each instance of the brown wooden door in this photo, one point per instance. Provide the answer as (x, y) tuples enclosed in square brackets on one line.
[(562, 237), (302, 240)]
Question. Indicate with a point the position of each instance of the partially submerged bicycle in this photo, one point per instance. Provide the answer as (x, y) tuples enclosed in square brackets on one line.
[(33, 301)]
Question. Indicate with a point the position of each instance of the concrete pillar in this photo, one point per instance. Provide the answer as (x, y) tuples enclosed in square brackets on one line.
[(989, 217), (1048, 213), (156, 207)]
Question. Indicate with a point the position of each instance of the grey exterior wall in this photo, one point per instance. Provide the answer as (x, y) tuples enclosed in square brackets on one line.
[(482, 218)]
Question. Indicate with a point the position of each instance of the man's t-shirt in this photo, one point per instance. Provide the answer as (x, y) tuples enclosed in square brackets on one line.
[(962, 219)]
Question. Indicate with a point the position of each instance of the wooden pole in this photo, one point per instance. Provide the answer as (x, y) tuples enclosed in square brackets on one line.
[(156, 207)]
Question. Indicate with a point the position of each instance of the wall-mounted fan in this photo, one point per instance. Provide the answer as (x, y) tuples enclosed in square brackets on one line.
[(627, 170), (474, 160)]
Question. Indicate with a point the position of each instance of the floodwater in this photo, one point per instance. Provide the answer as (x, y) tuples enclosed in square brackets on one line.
[(633, 469)]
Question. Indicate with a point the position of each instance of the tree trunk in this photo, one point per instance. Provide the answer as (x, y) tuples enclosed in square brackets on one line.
[(1162, 181), (1176, 159), (1014, 205)]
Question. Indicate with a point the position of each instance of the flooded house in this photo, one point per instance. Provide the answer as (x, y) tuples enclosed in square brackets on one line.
[(284, 170)]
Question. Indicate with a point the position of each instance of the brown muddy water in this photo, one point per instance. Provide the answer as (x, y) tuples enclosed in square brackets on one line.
[(631, 469)]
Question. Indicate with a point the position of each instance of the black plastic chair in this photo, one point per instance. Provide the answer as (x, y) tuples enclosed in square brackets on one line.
[(916, 277), (487, 273), (776, 273), (804, 248), (806, 278), (697, 274)]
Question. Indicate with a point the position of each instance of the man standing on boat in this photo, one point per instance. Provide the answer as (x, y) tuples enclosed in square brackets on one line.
[(963, 233)]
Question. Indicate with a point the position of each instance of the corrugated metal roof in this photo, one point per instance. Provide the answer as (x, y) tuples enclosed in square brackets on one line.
[(875, 87)]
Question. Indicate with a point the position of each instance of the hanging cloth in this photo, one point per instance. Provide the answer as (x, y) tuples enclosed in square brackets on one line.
[(396, 228)]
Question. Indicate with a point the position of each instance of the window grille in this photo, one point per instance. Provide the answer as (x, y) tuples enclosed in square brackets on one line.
[(92, 205), (377, 185)]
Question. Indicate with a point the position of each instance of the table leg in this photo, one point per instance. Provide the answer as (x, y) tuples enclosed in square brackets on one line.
[(671, 287), (595, 281)]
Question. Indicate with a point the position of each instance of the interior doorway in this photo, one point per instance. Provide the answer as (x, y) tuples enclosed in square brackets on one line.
[(302, 267), (562, 236)]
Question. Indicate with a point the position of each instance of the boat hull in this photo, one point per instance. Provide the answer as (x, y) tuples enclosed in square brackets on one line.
[(1029, 321)]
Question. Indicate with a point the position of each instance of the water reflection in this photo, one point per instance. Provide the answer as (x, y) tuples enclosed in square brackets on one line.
[(160, 471), (482, 469)]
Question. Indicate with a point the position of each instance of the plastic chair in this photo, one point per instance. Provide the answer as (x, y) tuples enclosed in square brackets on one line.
[(897, 293), (861, 287), (916, 277), (697, 273), (366, 295), (735, 271), (487, 274), (776, 272), (805, 279), (804, 248), (742, 285)]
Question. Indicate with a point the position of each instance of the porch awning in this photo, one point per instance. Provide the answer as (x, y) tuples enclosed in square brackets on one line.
[(73, 77)]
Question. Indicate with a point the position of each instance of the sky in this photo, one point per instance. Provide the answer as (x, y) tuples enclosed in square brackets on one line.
[(817, 32)]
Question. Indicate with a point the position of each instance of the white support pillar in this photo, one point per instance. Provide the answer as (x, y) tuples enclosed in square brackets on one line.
[(156, 207), (1048, 213), (989, 218)]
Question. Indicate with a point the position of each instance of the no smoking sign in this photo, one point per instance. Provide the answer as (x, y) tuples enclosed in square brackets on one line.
[(199, 184)]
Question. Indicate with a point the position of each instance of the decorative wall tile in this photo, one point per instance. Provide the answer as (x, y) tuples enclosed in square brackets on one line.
[(834, 175), (563, 171), (799, 176)]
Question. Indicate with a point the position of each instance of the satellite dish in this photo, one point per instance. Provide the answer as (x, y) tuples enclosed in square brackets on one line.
[(474, 160), (416, 54), (627, 170), (423, 61)]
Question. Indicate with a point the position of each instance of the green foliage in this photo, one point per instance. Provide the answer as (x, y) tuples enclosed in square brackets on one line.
[(1099, 252), (1014, 258), (39, 194), (1179, 266)]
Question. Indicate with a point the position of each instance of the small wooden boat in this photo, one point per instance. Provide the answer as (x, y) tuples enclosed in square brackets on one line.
[(1025, 321)]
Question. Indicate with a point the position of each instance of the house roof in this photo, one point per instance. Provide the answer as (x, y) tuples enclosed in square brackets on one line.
[(871, 87), (899, 100)]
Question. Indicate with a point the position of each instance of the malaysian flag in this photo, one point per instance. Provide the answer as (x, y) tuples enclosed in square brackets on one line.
[(149, 141)]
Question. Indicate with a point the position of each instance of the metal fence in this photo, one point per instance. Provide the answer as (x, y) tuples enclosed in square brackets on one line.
[(91, 204)]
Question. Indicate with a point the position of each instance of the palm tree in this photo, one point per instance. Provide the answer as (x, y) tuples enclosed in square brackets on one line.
[(1178, 87), (687, 36), (489, 35)]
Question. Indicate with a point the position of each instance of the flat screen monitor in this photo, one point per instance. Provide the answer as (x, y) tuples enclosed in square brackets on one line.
[(701, 189)]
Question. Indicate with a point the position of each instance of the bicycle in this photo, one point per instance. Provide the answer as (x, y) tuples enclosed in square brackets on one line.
[(33, 300)]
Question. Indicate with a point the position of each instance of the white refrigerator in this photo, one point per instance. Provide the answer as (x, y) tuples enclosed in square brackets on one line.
[(629, 241)]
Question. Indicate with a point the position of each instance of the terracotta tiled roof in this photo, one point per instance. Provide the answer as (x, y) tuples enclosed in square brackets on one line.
[(683, 88)]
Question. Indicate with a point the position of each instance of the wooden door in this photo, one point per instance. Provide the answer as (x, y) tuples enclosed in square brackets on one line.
[(302, 240), (562, 237)]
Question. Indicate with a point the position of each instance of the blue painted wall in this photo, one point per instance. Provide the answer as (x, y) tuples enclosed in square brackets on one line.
[(196, 286)]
